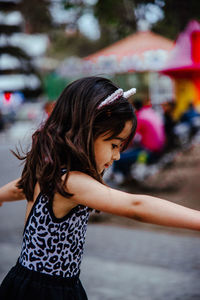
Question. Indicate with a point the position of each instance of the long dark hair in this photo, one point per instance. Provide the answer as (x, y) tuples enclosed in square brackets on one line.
[(66, 140)]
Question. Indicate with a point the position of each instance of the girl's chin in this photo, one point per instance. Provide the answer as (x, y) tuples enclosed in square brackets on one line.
[(101, 171)]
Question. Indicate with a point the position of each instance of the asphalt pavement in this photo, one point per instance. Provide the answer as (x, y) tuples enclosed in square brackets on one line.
[(119, 263)]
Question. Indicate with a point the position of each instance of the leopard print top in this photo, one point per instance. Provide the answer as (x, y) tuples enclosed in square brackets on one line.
[(51, 245)]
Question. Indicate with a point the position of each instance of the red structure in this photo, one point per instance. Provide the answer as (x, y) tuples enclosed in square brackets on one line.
[(183, 65)]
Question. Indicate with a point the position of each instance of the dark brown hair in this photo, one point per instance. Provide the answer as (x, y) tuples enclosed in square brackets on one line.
[(66, 140)]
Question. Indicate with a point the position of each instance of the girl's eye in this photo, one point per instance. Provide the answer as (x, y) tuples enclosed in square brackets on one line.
[(114, 146)]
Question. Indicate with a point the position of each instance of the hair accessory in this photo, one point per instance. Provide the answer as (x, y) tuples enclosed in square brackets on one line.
[(116, 95), (129, 93)]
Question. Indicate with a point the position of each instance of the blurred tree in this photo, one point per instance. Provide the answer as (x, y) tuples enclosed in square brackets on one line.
[(64, 45), (177, 14), (37, 16), (16, 66), (116, 19), (167, 17)]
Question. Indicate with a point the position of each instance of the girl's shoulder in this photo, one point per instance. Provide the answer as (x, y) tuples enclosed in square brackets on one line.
[(76, 177), (89, 192), (78, 181), (80, 185)]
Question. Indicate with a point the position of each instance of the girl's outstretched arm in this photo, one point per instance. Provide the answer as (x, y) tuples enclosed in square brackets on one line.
[(89, 192), (10, 192)]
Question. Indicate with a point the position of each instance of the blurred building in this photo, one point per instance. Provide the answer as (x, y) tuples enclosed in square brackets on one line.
[(133, 61)]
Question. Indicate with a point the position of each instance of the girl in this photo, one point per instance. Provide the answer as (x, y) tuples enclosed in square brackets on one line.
[(92, 122)]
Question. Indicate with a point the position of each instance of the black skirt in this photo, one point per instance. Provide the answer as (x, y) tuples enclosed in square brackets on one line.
[(24, 284)]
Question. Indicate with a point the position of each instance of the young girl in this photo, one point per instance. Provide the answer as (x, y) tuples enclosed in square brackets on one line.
[(92, 122)]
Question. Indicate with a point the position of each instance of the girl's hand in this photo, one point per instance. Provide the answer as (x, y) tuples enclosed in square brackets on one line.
[(10, 192)]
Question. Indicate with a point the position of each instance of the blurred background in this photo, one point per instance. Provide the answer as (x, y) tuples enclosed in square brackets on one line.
[(153, 46)]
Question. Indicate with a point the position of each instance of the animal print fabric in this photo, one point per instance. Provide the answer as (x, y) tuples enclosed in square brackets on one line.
[(54, 246)]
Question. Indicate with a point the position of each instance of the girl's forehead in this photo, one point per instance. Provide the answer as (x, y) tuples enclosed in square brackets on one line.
[(123, 135)]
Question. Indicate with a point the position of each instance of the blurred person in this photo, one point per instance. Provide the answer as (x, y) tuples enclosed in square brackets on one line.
[(190, 113), (191, 117), (149, 140), (169, 124), (187, 126), (91, 123)]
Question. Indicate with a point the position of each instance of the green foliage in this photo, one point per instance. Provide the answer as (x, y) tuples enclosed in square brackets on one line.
[(177, 15), (116, 18), (53, 86), (63, 45), (68, 4), (36, 15)]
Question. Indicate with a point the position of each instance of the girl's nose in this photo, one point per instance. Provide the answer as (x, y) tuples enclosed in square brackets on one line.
[(116, 155)]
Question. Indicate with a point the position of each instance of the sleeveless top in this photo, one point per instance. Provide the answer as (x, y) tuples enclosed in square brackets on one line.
[(53, 245)]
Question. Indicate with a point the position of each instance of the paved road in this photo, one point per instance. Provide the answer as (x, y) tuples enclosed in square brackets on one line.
[(119, 263)]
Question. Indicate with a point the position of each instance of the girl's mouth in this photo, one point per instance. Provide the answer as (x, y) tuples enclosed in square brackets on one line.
[(107, 166)]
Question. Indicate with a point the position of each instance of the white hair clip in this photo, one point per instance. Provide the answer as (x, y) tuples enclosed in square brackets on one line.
[(129, 93), (116, 95)]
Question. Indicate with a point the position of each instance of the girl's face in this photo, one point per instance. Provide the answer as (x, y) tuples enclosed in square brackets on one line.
[(106, 151)]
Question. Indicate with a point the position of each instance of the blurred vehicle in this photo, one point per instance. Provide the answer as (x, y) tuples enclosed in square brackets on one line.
[(31, 111), (2, 122), (27, 119)]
